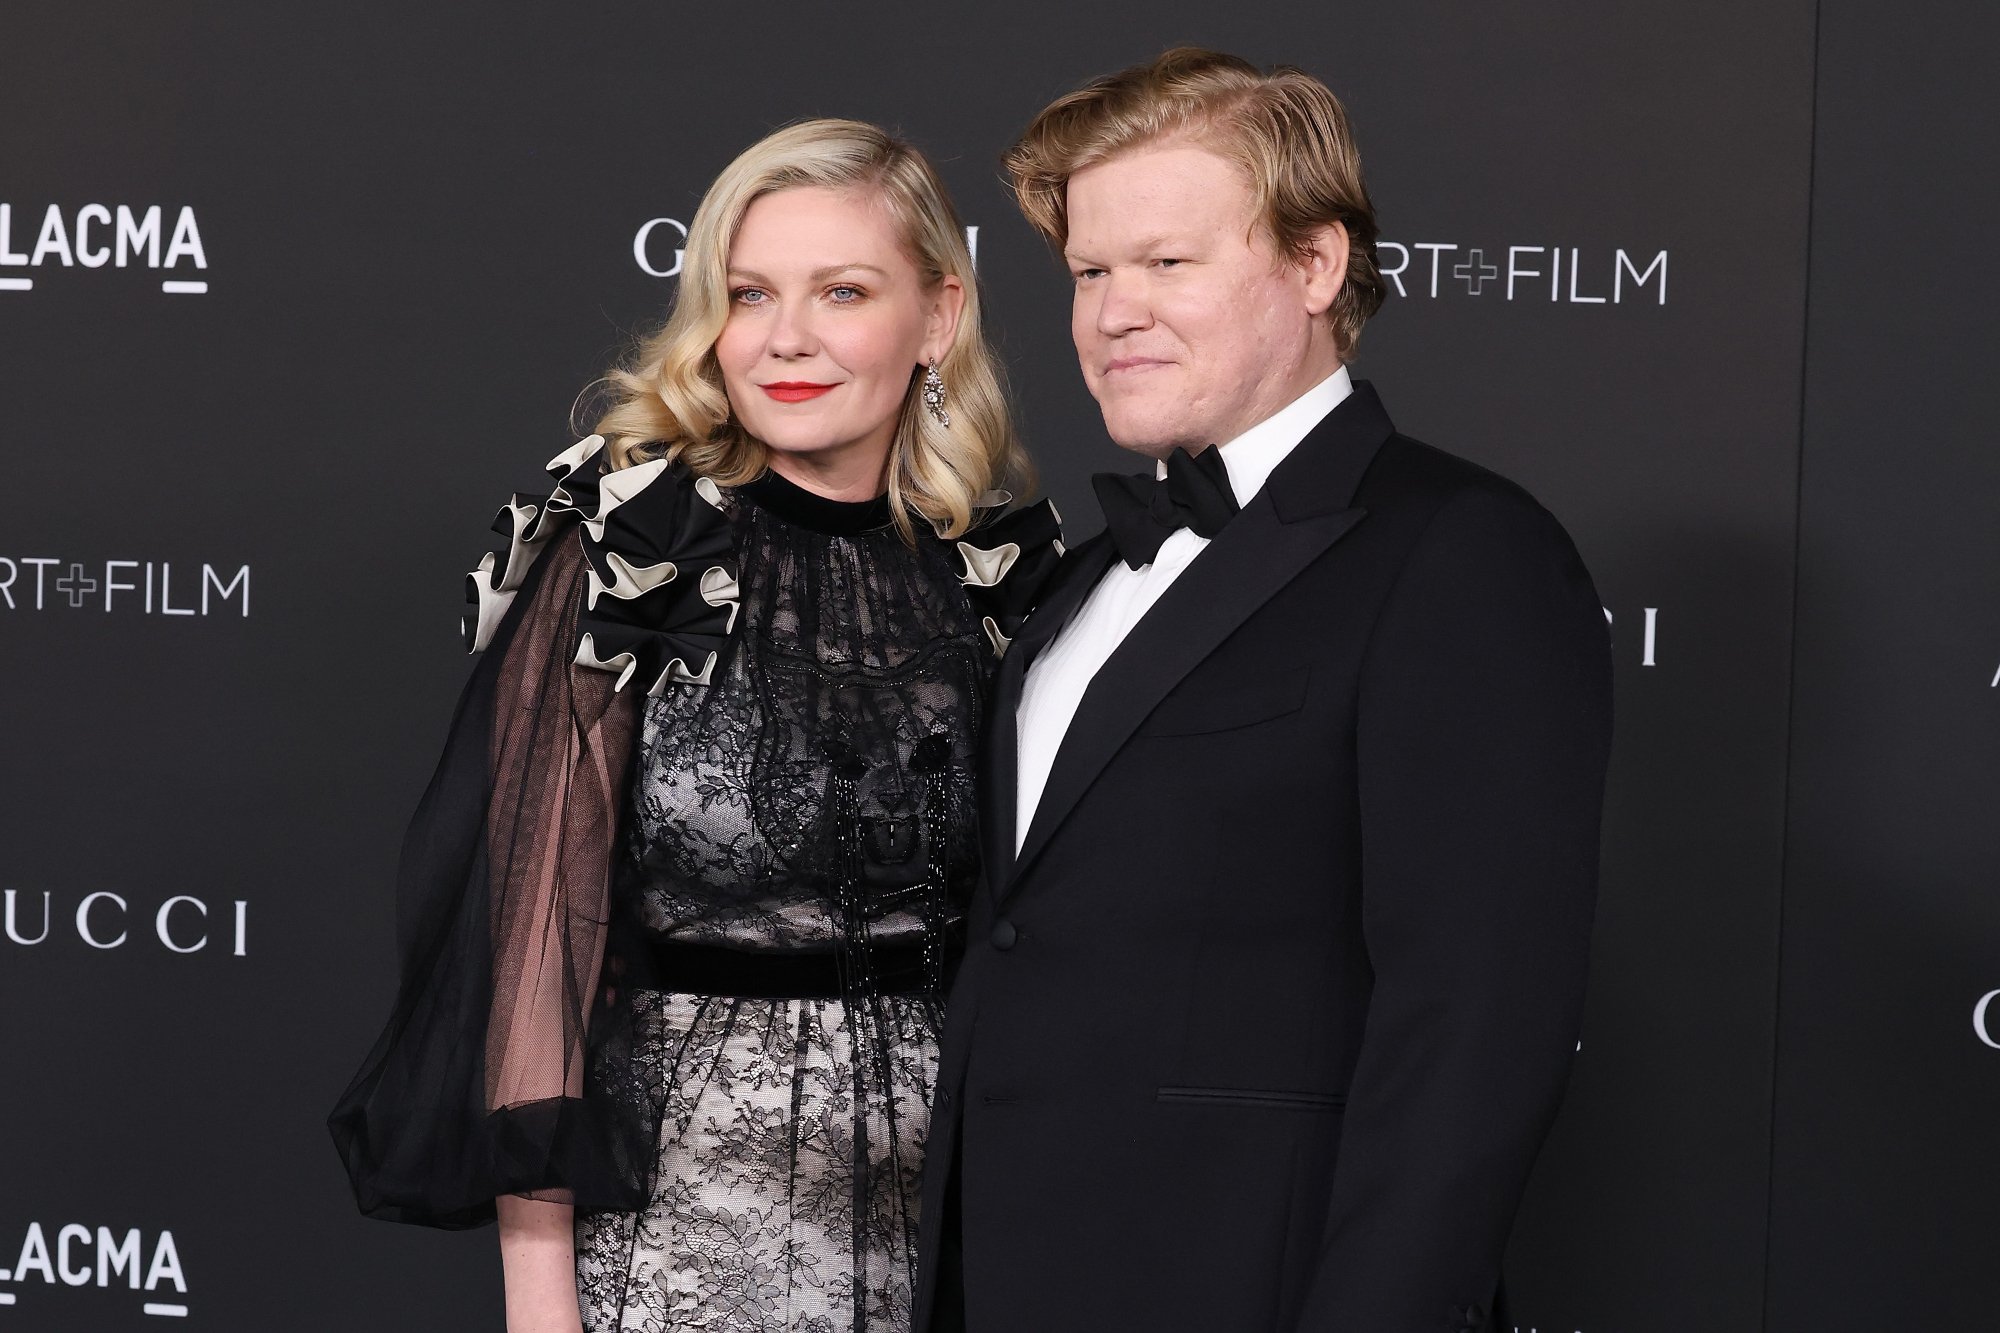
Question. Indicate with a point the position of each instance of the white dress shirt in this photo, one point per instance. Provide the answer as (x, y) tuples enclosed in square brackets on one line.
[(1064, 669)]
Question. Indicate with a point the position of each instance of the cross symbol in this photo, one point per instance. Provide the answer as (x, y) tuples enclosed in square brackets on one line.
[(76, 585), (1475, 271)]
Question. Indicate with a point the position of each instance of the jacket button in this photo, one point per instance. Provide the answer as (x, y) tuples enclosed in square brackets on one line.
[(1004, 934)]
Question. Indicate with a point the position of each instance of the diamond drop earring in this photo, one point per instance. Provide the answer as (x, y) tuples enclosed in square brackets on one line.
[(934, 394)]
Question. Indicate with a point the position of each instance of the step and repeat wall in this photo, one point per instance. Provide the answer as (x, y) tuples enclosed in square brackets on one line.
[(291, 297)]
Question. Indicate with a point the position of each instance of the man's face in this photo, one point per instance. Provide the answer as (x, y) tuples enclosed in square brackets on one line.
[(1189, 326)]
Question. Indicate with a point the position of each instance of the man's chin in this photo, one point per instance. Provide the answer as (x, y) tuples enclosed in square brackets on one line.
[(1153, 434), (1152, 444)]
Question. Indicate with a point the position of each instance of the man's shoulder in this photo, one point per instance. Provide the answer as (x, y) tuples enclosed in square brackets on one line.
[(1408, 471), (1442, 498)]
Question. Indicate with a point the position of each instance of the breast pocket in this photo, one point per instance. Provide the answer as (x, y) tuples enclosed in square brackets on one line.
[(1272, 1099), (1230, 707)]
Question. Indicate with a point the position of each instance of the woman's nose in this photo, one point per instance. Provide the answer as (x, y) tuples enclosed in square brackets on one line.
[(792, 332)]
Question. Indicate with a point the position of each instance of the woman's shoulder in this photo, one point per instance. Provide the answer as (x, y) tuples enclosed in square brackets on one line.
[(527, 525), (1005, 559), (661, 592)]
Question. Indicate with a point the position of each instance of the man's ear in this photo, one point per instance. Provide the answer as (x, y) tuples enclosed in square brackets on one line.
[(1325, 267)]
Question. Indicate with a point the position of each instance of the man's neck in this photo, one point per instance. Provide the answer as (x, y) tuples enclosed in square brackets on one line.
[(1320, 360), (1254, 454), (1302, 391)]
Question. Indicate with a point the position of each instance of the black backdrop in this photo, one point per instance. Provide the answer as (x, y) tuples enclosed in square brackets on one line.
[(1711, 278)]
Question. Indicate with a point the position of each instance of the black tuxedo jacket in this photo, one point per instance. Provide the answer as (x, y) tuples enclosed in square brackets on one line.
[(1265, 1025)]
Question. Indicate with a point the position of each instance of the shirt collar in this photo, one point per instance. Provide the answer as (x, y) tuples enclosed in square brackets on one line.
[(1252, 456)]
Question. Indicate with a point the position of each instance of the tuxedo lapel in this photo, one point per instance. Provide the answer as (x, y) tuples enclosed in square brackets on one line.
[(1256, 555), (1305, 507), (1077, 575)]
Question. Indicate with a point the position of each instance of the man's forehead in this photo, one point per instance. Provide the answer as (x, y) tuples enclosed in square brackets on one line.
[(1152, 204), (1158, 238)]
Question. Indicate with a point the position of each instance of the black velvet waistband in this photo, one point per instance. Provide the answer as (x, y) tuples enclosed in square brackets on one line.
[(705, 969)]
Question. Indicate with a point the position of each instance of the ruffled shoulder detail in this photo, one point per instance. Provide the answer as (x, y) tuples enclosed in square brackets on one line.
[(662, 596), (1005, 560), (526, 523)]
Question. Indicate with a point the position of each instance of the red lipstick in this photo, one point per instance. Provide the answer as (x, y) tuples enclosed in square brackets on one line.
[(796, 391)]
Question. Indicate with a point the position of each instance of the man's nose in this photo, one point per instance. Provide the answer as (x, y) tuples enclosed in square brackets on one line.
[(1126, 304)]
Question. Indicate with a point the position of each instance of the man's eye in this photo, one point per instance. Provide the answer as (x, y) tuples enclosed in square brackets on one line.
[(1088, 274), (1167, 263)]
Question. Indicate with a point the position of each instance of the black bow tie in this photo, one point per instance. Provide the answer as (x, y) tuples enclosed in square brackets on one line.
[(1143, 512)]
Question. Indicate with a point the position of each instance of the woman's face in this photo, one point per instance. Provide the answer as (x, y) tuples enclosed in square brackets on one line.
[(828, 320)]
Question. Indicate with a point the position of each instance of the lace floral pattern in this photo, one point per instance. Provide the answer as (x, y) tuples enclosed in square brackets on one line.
[(776, 1124), (815, 797)]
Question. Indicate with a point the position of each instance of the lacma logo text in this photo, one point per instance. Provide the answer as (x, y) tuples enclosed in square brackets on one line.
[(96, 236), (82, 1256)]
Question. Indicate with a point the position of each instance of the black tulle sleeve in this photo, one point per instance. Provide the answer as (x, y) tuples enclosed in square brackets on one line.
[(476, 1088)]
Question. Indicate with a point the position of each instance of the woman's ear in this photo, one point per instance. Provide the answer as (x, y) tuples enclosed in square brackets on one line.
[(941, 324)]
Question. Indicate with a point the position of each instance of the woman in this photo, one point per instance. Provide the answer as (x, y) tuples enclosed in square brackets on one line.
[(679, 904)]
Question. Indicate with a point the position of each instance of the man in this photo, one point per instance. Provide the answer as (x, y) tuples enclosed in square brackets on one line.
[(1293, 790)]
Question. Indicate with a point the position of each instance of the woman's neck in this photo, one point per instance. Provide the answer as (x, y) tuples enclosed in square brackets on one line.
[(834, 474)]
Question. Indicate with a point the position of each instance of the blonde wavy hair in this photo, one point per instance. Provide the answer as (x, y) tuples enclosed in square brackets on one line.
[(668, 400)]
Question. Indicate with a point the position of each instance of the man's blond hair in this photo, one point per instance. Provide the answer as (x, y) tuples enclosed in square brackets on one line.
[(1285, 130)]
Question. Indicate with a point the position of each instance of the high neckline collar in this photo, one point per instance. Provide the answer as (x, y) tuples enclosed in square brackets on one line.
[(835, 518)]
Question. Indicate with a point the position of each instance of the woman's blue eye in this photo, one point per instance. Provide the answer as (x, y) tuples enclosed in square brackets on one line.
[(744, 295), (844, 295)]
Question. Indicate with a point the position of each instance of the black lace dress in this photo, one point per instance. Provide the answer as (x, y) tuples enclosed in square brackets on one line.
[(679, 905)]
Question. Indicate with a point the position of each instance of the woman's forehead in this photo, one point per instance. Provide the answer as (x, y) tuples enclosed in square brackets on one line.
[(815, 231)]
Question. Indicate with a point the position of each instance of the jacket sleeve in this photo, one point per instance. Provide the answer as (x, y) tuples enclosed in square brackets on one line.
[(477, 1086), (1483, 735)]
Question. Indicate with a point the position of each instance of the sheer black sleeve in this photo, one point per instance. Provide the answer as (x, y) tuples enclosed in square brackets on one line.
[(476, 1088)]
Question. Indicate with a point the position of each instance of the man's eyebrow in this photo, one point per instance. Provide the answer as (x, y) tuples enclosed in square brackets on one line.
[(1144, 245)]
